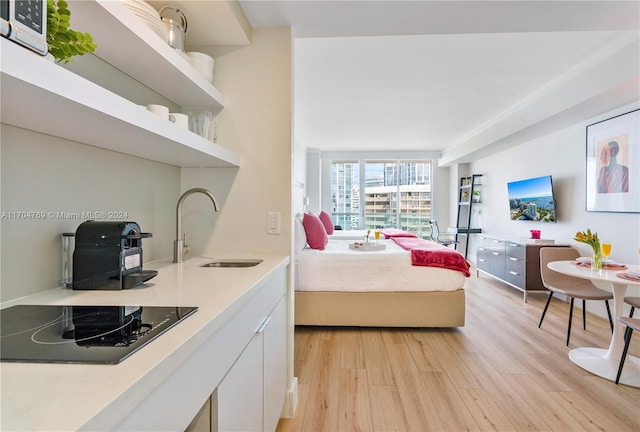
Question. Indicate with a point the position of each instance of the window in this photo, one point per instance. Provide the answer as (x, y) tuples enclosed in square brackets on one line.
[(345, 177), (396, 193)]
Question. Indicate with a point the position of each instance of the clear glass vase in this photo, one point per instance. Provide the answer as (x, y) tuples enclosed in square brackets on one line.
[(596, 261)]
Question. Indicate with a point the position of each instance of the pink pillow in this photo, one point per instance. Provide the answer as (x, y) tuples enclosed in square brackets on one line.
[(326, 221), (316, 234)]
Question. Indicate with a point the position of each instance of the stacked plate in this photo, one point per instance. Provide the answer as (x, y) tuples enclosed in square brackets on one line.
[(149, 16), (588, 260)]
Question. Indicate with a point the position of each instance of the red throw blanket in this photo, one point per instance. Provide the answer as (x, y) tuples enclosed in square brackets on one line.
[(394, 232), (431, 254)]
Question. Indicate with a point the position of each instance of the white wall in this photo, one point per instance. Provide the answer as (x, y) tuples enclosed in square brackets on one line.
[(41, 173), (562, 155), (256, 123), (314, 189)]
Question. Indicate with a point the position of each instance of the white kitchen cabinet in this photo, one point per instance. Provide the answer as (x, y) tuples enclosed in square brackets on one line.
[(252, 394), (203, 373), (240, 393), (275, 366)]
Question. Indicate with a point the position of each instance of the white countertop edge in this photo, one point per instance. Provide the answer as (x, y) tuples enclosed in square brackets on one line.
[(64, 397)]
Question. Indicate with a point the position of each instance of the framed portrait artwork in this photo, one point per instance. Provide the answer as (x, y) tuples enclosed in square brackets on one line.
[(613, 164)]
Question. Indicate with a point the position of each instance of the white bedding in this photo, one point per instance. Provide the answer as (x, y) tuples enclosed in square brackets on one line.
[(338, 268), (356, 235)]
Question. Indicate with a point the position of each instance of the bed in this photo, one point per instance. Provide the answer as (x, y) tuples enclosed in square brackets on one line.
[(341, 286)]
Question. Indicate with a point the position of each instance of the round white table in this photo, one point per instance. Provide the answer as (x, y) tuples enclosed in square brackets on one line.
[(599, 361)]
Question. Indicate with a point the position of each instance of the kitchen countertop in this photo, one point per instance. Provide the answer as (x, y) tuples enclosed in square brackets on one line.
[(72, 396)]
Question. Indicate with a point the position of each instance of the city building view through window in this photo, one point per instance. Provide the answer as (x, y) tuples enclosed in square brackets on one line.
[(381, 194)]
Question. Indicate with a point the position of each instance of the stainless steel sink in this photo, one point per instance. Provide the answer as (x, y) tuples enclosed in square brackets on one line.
[(233, 263)]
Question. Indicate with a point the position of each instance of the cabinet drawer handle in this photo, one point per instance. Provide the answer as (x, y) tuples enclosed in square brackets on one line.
[(514, 259), (481, 260), (497, 253), (514, 273), (481, 249), (514, 245), (264, 325)]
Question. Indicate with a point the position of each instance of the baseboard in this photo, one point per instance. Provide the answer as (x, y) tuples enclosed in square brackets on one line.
[(291, 400)]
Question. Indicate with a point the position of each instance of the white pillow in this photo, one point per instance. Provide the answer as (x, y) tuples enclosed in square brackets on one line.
[(300, 233)]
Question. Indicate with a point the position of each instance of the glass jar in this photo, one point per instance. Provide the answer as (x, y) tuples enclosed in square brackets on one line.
[(596, 260)]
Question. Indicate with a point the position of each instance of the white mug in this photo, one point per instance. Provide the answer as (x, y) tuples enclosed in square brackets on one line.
[(181, 120), (159, 110)]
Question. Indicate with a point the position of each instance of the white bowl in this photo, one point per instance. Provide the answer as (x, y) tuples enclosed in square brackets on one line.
[(202, 63)]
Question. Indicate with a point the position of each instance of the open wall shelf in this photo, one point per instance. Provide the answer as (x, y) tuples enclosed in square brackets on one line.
[(41, 96)]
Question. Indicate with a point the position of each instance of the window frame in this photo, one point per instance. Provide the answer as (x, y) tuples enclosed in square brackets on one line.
[(400, 194)]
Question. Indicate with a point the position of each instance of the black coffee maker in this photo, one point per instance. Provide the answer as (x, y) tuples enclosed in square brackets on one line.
[(108, 256)]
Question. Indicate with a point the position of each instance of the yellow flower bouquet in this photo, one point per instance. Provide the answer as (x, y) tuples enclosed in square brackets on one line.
[(592, 240)]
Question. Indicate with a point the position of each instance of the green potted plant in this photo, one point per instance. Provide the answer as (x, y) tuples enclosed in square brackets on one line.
[(476, 196), (65, 43)]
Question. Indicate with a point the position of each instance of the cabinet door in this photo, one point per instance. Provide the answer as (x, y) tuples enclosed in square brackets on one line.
[(240, 392), (497, 258), (482, 258), (275, 365), (516, 271), (482, 253)]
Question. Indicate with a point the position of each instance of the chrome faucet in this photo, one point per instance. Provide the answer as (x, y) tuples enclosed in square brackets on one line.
[(179, 244)]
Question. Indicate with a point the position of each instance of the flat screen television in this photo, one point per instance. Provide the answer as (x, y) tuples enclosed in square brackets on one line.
[(532, 200)]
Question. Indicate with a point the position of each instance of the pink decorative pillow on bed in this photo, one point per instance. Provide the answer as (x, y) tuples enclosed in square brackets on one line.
[(316, 233), (326, 221)]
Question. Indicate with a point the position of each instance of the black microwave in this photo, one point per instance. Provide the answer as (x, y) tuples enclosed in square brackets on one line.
[(25, 22)]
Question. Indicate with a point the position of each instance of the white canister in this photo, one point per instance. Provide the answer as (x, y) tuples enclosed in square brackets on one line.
[(202, 63), (159, 110)]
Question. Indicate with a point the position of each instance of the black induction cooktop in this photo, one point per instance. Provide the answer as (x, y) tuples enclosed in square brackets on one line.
[(82, 334)]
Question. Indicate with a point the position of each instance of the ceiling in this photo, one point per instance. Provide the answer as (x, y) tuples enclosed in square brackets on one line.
[(461, 78)]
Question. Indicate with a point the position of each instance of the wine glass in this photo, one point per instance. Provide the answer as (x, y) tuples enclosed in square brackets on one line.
[(377, 235), (606, 250)]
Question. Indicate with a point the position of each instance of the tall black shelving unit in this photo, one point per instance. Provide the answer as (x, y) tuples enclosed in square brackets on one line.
[(468, 196)]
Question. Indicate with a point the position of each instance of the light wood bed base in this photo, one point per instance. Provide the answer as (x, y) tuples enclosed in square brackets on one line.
[(380, 309)]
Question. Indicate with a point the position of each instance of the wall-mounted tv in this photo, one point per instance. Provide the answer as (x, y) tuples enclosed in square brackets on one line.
[(532, 200)]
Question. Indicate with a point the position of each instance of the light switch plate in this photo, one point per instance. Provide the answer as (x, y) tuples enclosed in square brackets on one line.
[(273, 222)]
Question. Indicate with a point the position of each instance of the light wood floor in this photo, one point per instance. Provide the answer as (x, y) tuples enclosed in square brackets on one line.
[(498, 373)]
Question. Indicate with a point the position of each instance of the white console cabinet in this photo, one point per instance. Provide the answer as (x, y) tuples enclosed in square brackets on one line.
[(514, 262)]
